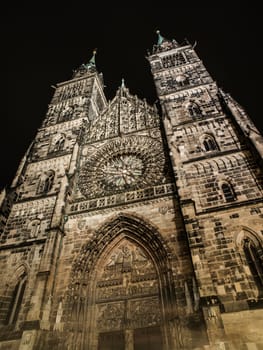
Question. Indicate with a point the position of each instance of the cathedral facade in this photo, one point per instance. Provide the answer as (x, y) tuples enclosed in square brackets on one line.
[(132, 227)]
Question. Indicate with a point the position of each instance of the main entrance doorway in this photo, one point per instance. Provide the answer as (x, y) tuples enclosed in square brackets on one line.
[(127, 305)]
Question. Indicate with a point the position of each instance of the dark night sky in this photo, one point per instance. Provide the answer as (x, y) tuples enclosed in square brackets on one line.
[(42, 49)]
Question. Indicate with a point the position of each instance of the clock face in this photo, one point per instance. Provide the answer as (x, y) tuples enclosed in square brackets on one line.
[(122, 165)]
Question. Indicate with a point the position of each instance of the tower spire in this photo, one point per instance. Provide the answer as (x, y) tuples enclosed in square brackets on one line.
[(122, 83), (123, 90), (160, 37), (164, 44), (92, 62), (89, 67)]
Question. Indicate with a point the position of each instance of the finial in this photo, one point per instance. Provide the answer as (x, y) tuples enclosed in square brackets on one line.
[(122, 83), (160, 38), (92, 62)]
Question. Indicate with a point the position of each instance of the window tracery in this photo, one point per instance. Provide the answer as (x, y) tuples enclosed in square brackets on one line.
[(250, 245), (16, 301), (209, 143), (34, 227), (254, 255), (58, 143), (46, 182), (194, 110), (173, 60)]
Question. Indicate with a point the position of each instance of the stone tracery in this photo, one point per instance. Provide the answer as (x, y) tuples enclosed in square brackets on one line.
[(128, 163), (124, 276)]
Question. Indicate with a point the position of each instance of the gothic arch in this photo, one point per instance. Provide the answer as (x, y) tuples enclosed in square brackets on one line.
[(94, 262), (227, 188), (193, 109), (180, 58), (45, 182), (57, 143), (204, 168), (209, 169), (250, 247), (197, 169), (208, 143), (131, 226), (240, 158), (34, 227), (21, 269), (15, 293), (174, 60), (219, 164), (230, 162)]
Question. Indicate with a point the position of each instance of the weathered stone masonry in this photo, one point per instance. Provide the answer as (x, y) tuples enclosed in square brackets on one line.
[(124, 229)]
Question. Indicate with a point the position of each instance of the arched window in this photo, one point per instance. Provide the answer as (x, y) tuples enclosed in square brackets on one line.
[(194, 110), (209, 144), (168, 61), (66, 113), (254, 256), (180, 59), (46, 182), (58, 144), (228, 192), (34, 227), (173, 60), (16, 300)]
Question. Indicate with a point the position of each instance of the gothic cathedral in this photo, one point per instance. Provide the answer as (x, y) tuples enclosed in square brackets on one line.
[(132, 227)]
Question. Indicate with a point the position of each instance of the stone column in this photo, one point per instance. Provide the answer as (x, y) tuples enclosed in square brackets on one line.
[(45, 276)]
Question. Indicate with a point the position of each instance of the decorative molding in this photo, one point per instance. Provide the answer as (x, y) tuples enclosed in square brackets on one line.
[(124, 164), (121, 199)]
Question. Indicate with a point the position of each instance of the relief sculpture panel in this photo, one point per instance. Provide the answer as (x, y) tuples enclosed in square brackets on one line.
[(127, 290)]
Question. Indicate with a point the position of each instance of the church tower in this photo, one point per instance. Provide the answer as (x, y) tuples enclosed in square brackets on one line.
[(129, 229), (216, 153)]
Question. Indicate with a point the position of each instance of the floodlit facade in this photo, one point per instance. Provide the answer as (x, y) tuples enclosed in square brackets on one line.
[(132, 227)]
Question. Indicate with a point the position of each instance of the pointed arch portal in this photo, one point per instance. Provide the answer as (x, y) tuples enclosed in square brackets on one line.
[(127, 298), (121, 289)]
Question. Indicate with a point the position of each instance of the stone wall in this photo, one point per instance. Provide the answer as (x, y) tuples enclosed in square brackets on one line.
[(244, 328)]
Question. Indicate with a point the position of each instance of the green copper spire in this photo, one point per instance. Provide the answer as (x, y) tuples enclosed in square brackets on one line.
[(160, 38), (92, 62)]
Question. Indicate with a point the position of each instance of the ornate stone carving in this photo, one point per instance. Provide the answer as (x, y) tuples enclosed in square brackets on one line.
[(123, 164), (144, 233), (110, 316), (128, 275), (145, 312), (124, 198), (69, 109), (123, 278), (125, 114), (34, 228)]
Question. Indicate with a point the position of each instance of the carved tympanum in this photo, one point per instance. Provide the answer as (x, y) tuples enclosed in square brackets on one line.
[(127, 290)]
